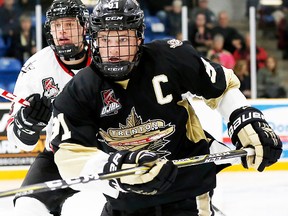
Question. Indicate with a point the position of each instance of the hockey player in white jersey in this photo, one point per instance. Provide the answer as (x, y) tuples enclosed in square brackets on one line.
[(41, 79)]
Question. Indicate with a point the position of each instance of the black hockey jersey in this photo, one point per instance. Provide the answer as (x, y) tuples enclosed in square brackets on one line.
[(148, 112)]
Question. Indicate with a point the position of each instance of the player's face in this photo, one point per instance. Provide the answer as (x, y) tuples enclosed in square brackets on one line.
[(67, 31), (116, 46)]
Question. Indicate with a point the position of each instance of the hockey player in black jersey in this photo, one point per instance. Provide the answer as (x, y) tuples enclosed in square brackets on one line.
[(41, 79), (126, 109)]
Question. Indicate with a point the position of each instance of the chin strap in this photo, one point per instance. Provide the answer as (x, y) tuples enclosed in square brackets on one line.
[(77, 56)]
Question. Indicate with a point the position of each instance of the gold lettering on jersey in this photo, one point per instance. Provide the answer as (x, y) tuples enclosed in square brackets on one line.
[(137, 134), (150, 126)]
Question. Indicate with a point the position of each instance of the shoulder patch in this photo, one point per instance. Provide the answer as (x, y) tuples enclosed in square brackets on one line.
[(174, 43)]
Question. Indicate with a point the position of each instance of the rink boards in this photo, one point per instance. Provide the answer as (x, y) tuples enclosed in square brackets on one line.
[(14, 163)]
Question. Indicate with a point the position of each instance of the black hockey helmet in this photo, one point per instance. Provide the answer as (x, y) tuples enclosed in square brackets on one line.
[(116, 15), (67, 9)]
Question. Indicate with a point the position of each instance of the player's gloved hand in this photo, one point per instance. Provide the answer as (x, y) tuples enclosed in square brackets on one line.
[(36, 116), (159, 178), (247, 127), (32, 119)]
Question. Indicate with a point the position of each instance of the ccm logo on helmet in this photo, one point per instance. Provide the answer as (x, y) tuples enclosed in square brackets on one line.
[(114, 18), (116, 69), (242, 119)]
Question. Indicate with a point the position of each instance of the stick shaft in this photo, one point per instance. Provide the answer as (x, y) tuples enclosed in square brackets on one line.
[(208, 158), (13, 98), (59, 184)]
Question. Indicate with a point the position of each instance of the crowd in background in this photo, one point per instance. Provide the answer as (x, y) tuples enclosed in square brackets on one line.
[(211, 34)]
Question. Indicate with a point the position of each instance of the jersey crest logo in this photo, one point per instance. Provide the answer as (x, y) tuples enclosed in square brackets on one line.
[(51, 90), (174, 43), (136, 134), (111, 104)]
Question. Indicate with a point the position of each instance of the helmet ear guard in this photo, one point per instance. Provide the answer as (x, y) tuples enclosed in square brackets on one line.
[(67, 9), (113, 15)]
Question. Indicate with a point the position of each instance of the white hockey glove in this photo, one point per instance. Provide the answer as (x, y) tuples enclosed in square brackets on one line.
[(29, 121), (159, 178), (248, 127)]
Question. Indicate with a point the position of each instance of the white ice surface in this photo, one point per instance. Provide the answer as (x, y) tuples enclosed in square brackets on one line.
[(237, 194)]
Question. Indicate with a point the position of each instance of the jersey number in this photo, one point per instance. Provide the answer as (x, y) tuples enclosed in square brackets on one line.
[(158, 91), (210, 70), (113, 5), (58, 122)]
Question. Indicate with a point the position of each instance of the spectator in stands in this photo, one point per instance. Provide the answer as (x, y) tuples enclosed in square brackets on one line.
[(200, 35), (243, 52), (174, 18), (24, 41), (9, 19), (211, 19), (225, 57), (241, 71), (231, 36), (269, 82)]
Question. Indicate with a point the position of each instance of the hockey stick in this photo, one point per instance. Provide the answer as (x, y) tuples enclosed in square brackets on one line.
[(13, 98), (60, 184)]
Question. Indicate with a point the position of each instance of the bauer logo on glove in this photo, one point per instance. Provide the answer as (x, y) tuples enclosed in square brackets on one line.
[(248, 127), (245, 118)]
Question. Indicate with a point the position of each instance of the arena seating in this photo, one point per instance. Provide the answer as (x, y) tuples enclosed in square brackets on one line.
[(3, 47), (155, 29), (9, 70)]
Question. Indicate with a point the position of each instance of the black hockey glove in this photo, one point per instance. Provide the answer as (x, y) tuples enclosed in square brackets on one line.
[(247, 127), (29, 121), (159, 178)]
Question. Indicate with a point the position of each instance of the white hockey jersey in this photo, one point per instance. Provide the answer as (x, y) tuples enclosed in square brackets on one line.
[(45, 74)]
